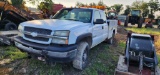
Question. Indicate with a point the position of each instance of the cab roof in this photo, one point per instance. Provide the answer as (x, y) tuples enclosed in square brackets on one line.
[(140, 35), (84, 8)]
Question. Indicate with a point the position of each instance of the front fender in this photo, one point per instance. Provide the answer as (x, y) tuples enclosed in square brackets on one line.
[(81, 37)]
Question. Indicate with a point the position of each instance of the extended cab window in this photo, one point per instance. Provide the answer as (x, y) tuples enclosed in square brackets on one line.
[(97, 15), (103, 16), (82, 15)]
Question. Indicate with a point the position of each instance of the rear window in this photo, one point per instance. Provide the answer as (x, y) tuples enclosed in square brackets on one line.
[(141, 43)]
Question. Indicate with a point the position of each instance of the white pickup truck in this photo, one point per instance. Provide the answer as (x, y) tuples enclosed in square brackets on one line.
[(67, 37)]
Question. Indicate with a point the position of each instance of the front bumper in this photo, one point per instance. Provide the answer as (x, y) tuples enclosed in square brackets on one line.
[(54, 52)]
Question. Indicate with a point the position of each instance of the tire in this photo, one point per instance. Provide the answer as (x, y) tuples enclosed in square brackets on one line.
[(110, 41), (126, 22), (81, 60), (10, 26), (140, 23)]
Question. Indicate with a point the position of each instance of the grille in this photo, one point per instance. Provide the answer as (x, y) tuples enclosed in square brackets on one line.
[(38, 30), (37, 38)]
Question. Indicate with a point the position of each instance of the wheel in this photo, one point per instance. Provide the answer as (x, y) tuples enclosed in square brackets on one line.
[(81, 60), (140, 23), (110, 41), (126, 22), (10, 26)]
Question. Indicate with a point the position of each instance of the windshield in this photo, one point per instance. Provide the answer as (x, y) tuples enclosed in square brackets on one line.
[(135, 13), (82, 15), (111, 14)]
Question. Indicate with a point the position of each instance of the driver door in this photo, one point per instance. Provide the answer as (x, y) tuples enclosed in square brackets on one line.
[(97, 29)]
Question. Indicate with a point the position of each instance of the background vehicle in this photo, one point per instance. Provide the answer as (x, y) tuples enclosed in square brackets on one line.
[(67, 37), (112, 15), (134, 18), (140, 56), (11, 17)]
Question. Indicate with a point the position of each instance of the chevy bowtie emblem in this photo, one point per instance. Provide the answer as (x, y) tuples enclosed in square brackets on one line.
[(34, 34)]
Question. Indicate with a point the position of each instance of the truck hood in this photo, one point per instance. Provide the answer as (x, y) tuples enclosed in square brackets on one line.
[(54, 24)]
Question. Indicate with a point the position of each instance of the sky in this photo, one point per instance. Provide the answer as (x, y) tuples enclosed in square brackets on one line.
[(69, 3)]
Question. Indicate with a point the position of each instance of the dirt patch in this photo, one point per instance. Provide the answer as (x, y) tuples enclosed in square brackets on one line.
[(157, 44)]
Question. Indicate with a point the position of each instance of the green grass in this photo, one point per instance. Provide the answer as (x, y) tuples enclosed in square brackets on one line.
[(12, 53), (44, 69), (151, 31), (122, 44), (104, 61), (158, 60)]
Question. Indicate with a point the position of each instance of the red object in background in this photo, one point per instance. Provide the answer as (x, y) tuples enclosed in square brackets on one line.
[(57, 7), (119, 22)]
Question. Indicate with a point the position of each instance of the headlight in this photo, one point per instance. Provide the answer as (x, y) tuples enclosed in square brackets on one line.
[(60, 41), (61, 33), (20, 28)]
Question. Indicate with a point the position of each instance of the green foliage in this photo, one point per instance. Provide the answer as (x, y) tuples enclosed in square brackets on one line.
[(127, 10), (45, 5), (117, 7), (151, 16), (154, 5), (158, 59), (137, 5), (144, 8), (45, 69), (17, 3), (92, 4), (79, 4), (101, 3), (12, 53), (151, 31)]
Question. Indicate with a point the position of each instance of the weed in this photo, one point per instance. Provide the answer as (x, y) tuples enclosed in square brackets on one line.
[(151, 31), (44, 68), (122, 44), (12, 53)]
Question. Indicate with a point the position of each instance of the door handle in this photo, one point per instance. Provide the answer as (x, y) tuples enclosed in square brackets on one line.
[(102, 27)]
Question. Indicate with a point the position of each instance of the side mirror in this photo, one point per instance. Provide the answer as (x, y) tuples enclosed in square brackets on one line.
[(99, 21)]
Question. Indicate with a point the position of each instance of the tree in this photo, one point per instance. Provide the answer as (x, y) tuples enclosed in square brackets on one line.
[(144, 9), (127, 10), (79, 4), (92, 4), (117, 7), (100, 3), (45, 6), (136, 4), (108, 8), (154, 5)]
